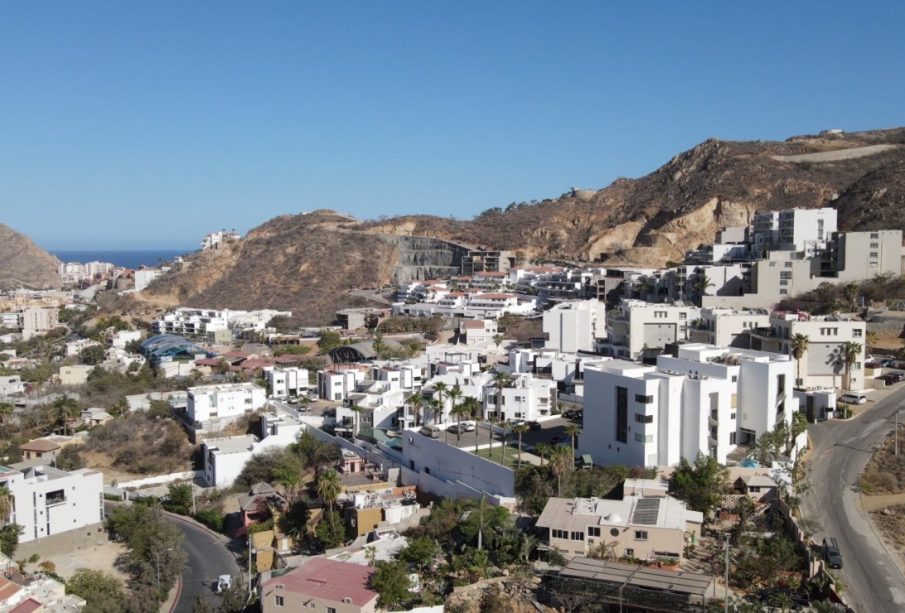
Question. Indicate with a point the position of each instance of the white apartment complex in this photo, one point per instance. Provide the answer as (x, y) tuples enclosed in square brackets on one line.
[(706, 400), (211, 407), (48, 501), (286, 381), (727, 327), (574, 325), (637, 329), (526, 397)]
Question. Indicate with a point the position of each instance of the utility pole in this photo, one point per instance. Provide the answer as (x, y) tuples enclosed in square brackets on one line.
[(481, 523), (726, 578), (250, 552), (897, 434)]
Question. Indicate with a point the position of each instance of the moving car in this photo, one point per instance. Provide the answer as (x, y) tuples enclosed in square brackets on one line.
[(224, 582)]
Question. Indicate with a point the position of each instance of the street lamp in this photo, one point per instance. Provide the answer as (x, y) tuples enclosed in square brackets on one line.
[(157, 560)]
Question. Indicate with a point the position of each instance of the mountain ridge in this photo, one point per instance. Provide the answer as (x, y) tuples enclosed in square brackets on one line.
[(25, 265)]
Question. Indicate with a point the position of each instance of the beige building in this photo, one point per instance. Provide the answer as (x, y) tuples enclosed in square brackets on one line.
[(37, 320), (642, 527), (73, 376), (321, 586)]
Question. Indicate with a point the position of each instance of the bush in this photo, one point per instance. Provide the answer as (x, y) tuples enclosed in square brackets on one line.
[(210, 518)]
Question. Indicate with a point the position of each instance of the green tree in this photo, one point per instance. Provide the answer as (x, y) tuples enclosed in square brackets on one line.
[(459, 411), (93, 355), (65, 409), (417, 403), (6, 411), (850, 293), (543, 451), (799, 346), (329, 340), (179, 498), (391, 581), (572, 431), (421, 552), (295, 521), (850, 354), (6, 504), (9, 538), (560, 463), (330, 530), (701, 485), (440, 388), (103, 592), (69, 458)]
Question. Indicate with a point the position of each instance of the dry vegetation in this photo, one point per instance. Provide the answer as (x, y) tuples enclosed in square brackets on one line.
[(885, 473), (139, 444), (891, 521)]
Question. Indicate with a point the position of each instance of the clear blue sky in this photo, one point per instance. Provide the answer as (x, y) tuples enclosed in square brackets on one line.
[(148, 124)]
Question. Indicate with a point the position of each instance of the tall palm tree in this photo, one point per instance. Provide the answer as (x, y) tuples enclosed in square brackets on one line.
[(441, 388), (851, 293), (6, 505), (543, 450), (701, 283), (871, 339), (64, 409), (460, 410), (559, 464), (850, 354), (573, 431), (416, 402), (500, 380), (454, 394), (328, 487), (799, 346), (519, 430)]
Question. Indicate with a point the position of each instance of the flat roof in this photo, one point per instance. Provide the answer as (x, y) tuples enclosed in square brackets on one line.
[(232, 444), (635, 575)]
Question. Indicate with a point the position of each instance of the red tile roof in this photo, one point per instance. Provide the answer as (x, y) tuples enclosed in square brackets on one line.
[(473, 324), (27, 606), (207, 362), (288, 359), (327, 579), (39, 444), (255, 364), (494, 296), (7, 588)]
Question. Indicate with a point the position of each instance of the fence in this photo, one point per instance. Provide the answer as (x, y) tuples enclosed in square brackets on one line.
[(160, 479)]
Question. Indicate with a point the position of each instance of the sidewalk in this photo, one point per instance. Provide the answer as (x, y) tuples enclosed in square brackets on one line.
[(169, 604)]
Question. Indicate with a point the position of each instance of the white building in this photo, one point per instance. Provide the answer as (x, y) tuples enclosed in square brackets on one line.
[(144, 277), (123, 337), (526, 398), (637, 328), (823, 364), (476, 331), (73, 376), (215, 239), (802, 230), (73, 348), (215, 406), (48, 501), (286, 381), (11, 385), (574, 325), (706, 400), (338, 382), (727, 327), (39, 320)]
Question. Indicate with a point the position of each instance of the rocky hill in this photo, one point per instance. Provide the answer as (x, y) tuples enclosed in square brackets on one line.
[(24, 264), (310, 262)]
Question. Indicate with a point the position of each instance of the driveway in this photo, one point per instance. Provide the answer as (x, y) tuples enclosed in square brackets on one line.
[(841, 449), (208, 558), (552, 432)]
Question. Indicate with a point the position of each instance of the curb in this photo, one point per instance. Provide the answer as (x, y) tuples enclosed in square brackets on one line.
[(178, 594), (196, 524)]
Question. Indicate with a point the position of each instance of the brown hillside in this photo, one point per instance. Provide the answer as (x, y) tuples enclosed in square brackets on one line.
[(24, 264), (309, 262)]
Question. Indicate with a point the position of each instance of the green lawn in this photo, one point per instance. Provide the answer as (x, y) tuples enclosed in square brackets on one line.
[(510, 456)]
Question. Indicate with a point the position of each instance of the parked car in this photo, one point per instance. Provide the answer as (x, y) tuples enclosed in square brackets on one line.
[(831, 552), (534, 425), (853, 398), (430, 431), (469, 426), (892, 378)]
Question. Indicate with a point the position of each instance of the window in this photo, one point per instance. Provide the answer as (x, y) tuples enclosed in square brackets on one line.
[(578, 536), (643, 399), (683, 315), (56, 497), (644, 419), (331, 610), (629, 553), (772, 264), (732, 438), (783, 291), (873, 254), (786, 274), (622, 414), (640, 535), (856, 333), (593, 530), (875, 245), (660, 314), (874, 235), (278, 601), (754, 489), (644, 438), (558, 534), (788, 265)]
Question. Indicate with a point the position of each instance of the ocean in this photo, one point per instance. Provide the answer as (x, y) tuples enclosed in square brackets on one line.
[(124, 258)]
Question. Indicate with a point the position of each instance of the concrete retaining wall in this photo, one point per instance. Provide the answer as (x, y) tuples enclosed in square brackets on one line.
[(64, 542)]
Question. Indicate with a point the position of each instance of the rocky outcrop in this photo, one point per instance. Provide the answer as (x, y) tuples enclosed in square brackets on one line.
[(25, 265), (419, 258)]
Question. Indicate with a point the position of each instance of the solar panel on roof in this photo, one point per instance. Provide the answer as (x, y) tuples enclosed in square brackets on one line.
[(646, 512)]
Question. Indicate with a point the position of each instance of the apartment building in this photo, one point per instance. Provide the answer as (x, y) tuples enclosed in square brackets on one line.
[(854, 256), (639, 527), (727, 327), (286, 381), (48, 501), (321, 585), (823, 364), (145, 276), (638, 329), (39, 320), (211, 407), (477, 331), (574, 325), (801, 230), (338, 382), (525, 397), (11, 385), (706, 400)]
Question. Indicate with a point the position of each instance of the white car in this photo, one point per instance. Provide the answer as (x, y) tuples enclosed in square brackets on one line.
[(469, 426)]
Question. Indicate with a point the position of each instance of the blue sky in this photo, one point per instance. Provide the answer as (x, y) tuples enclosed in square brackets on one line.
[(127, 124)]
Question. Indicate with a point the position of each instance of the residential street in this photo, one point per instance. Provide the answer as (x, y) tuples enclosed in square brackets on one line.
[(208, 558), (841, 449)]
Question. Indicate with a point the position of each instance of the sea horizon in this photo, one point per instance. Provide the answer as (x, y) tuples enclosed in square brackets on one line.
[(126, 258)]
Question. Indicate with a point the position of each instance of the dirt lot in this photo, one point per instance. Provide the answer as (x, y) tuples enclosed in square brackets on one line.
[(101, 557), (885, 473), (891, 522)]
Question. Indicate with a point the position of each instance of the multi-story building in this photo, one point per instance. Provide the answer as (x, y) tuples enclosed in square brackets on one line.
[(321, 585), (215, 239), (727, 327), (39, 320), (47, 501), (801, 230), (574, 325), (337, 382), (705, 400), (854, 256), (286, 381), (477, 331), (525, 397), (11, 385), (824, 363), (144, 277), (638, 329), (211, 407), (642, 527)]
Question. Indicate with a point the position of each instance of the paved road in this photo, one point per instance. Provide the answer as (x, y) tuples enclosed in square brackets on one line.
[(208, 558), (873, 582)]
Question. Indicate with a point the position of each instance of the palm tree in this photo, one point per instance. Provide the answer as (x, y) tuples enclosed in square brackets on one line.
[(65, 408), (799, 346), (559, 464), (851, 293), (850, 354), (500, 380), (871, 339), (6, 409), (460, 410), (455, 394), (6, 505), (416, 402), (573, 431), (329, 487), (543, 450), (701, 283), (441, 388), (519, 430)]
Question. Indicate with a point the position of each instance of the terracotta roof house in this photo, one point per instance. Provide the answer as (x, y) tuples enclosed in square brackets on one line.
[(321, 585)]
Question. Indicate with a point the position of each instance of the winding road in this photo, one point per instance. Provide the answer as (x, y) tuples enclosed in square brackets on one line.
[(208, 558), (872, 580)]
